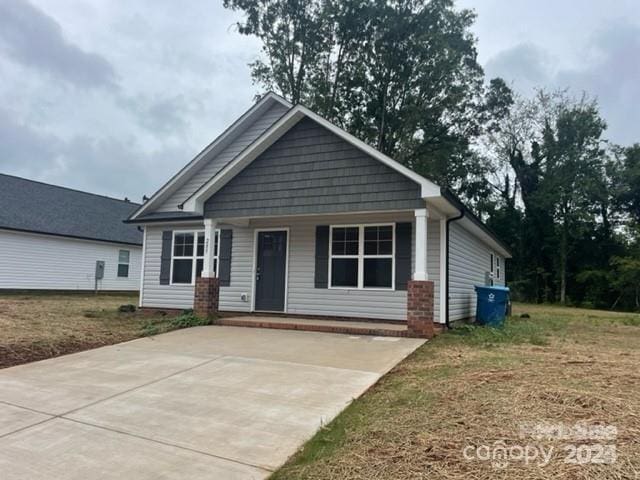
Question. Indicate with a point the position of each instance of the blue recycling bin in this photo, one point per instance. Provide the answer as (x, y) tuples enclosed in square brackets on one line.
[(492, 305)]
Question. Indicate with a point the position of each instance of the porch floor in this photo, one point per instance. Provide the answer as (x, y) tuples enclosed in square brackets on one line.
[(382, 328)]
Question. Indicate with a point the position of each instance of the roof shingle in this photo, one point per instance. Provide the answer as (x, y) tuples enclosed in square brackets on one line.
[(33, 206)]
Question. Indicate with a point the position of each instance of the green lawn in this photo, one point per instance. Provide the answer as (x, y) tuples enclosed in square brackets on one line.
[(476, 386)]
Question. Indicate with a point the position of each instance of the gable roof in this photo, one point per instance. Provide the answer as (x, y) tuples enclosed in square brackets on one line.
[(210, 151), (31, 206), (192, 208), (196, 201)]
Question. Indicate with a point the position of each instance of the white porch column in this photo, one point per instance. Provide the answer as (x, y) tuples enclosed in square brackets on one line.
[(209, 244), (420, 266)]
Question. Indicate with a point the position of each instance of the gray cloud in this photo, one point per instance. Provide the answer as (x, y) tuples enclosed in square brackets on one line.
[(182, 78), (608, 70), (525, 64), (162, 115), (24, 149), (35, 39), (113, 166)]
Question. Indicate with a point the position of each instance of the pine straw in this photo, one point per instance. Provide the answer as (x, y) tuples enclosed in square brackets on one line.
[(416, 422)]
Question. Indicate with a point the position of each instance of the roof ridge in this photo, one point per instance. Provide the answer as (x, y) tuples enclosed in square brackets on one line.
[(128, 202)]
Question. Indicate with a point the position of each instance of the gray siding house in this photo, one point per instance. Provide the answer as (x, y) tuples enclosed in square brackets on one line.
[(287, 213), (51, 238)]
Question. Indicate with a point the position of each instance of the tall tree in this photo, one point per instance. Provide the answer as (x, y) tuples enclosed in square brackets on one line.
[(574, 165), (401, 75), (553, 146), (629, 181)]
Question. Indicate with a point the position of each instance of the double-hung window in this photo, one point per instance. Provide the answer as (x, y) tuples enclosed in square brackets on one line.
[(123, 263), (362, 256), (495, 267), (491, 268), (187, 256)]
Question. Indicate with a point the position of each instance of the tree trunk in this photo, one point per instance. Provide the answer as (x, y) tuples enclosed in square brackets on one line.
[(563, 263), (615, 304)]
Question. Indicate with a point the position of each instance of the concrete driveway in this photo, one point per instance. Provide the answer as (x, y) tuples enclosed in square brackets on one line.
[(203, 403)]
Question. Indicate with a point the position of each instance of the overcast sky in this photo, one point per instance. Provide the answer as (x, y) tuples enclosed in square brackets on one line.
[(114, 97)]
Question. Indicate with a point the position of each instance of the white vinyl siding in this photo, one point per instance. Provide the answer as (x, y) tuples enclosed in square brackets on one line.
[(47, 262), (302, 296), (207, 171), (469, 262), (154, 294)]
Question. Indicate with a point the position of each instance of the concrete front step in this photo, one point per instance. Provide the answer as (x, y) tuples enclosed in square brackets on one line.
[(380, 329)]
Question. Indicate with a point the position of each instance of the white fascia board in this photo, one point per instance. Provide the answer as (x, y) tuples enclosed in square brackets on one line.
[(195, 203), (213, 148)]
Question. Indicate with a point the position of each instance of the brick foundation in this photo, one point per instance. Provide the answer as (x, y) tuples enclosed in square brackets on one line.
[(205, 301), (420, 308)]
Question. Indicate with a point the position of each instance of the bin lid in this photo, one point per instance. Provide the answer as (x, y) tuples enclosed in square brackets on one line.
[(495, 287)]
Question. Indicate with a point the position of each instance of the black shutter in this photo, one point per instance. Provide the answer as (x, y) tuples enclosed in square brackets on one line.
[(224, 257), (165, 257), (403, 255), (322, 256)]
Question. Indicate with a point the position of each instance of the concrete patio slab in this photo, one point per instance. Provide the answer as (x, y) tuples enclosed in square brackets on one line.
[(62, 384), (201, 403), (16, 418), (367, 353), (62, 449), (256, 411)]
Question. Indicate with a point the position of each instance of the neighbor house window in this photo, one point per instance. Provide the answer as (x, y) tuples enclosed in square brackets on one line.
[(187, 256), (498, 267), (362, 256), (491, 267), (123, 263)]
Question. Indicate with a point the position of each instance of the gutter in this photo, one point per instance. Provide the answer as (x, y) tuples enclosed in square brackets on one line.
[(73, 237), (449, 221), (195, 218), (457, 203)]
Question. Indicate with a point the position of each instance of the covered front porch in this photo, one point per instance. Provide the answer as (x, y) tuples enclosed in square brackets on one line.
[(341, 268)]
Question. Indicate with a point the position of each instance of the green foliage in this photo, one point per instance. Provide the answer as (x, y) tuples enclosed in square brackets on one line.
[(185, 320), (629, 181), (401, 75), (515, 331)]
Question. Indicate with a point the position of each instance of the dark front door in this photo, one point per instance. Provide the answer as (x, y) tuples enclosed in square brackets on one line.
[(271, 270)]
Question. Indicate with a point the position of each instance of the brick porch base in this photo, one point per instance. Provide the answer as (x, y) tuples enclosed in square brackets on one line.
[(420, 308), (207, 293)]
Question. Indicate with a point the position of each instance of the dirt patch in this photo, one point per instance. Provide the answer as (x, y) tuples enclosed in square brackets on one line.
[(39, 326)]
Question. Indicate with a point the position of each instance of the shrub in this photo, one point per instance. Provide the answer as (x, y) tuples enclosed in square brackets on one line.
[(187, 320)]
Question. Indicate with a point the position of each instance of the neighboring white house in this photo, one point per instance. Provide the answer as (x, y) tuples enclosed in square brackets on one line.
[(294, 215), (51, 238)]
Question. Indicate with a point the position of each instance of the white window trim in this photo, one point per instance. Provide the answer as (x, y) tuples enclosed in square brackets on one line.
[(195, 257), (497, 266), (128, 263), (361, 256)]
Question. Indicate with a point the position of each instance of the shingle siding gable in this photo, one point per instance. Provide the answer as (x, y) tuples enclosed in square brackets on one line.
[(213, 166), (311, 170)]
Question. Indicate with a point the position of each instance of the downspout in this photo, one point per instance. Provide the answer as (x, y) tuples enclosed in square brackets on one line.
[(449, 221)]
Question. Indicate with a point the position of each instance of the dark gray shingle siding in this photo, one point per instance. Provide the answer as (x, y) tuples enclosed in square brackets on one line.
[(38, 207), (311, 170)]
